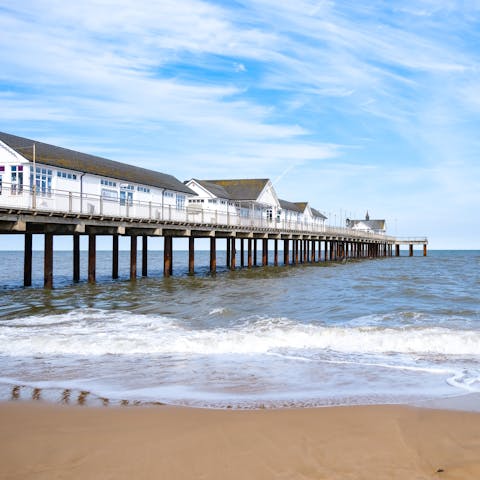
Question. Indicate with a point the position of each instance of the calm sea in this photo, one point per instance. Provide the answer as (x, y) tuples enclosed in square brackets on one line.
[(398, 330)]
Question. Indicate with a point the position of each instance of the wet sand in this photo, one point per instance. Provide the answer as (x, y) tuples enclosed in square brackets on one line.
[(41, 441)]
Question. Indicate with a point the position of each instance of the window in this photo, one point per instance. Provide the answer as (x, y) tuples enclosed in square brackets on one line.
[(168, 194), (43, 181), (143, 189), (68, 176), (108, 183), (180, 201), (16, 179), (109, 194), (210, 200)]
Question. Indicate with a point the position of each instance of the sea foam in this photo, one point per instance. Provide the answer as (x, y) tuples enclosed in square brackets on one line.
[(97, 332)]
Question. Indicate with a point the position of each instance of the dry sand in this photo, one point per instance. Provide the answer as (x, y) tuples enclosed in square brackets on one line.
[(376, 442)]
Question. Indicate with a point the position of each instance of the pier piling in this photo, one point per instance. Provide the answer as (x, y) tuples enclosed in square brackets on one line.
[(76, 258), (92, 241), (27, 260)]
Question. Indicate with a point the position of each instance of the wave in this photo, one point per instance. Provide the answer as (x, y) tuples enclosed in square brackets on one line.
[(99, 332)]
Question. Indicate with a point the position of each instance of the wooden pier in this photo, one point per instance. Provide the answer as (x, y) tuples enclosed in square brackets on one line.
[(299, 247)]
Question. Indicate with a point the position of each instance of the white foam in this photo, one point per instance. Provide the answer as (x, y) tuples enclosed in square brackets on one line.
[(96, 332)]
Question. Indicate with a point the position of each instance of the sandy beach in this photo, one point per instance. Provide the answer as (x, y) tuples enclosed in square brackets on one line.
[(41, 441)]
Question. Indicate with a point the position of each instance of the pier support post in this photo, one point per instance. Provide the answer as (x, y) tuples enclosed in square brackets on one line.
[(144, 255), (286, 252), (397, 250), (191, 255), (92, 257), (167, 256), (410, 250), (314, 255), (76, 258), (255, 252), (264, 252), (233, 257), (242, 252), (249, 253), (275, 252), (48, 261), (27, 260), (115, 256), (424, 249), (133, 257), (227, 252), (213, 255)]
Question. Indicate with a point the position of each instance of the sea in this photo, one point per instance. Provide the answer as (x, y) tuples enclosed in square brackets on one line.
[(401, 330)]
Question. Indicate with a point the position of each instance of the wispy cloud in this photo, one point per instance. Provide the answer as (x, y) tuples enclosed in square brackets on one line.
[(379, 97)]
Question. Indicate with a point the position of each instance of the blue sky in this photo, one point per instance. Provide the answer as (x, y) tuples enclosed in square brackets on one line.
[(349, 105)]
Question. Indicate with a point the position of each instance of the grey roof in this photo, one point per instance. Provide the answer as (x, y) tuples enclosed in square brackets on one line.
[(82, 162), (371, 224), (293, 207), (316, 213), (239, 189), (213, 188)]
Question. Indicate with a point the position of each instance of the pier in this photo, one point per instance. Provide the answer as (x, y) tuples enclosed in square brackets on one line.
[(246, 240), (53, 191)]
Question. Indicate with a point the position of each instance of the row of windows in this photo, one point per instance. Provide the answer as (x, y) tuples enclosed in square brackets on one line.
[(143, 189), (68, 176), (108, 183)]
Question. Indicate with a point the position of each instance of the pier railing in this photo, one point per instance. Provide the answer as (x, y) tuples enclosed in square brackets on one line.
[(66, 202)]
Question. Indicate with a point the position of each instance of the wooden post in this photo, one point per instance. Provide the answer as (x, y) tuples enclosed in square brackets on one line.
[(133, 257), (213, 255), (424, 249), (242, 252), (144, 255), (76, 258), (27, 261), (227, 260), (92, 260), (48, 261), (296, 243), (115, 256), (233, 259), (410, 250), (286, 252), (325, 252), (255, 253), (275, 252), (167, 256), (264, 252), (191, 255), (249, 253), (397, 250), (314, 255)]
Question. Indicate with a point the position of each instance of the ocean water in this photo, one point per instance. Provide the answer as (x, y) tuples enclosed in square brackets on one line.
[(393, 330)]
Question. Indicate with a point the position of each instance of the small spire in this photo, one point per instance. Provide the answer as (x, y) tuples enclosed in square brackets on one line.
[(367, 216)]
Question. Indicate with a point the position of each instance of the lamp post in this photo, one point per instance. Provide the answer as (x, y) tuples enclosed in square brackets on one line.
[(34, 183)]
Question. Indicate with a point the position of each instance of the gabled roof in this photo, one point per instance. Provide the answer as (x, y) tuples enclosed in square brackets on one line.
[(81, 162), (301, 205), (293, 207), (214, 189), (316, 213), (240, 189)]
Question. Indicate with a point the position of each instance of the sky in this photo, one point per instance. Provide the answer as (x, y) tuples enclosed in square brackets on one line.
[(352, 106)]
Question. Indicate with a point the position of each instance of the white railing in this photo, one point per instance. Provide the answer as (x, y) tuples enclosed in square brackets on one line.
[(59, 201), (418, 239)]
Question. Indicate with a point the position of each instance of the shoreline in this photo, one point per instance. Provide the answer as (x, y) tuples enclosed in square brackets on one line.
[(41, 440)]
